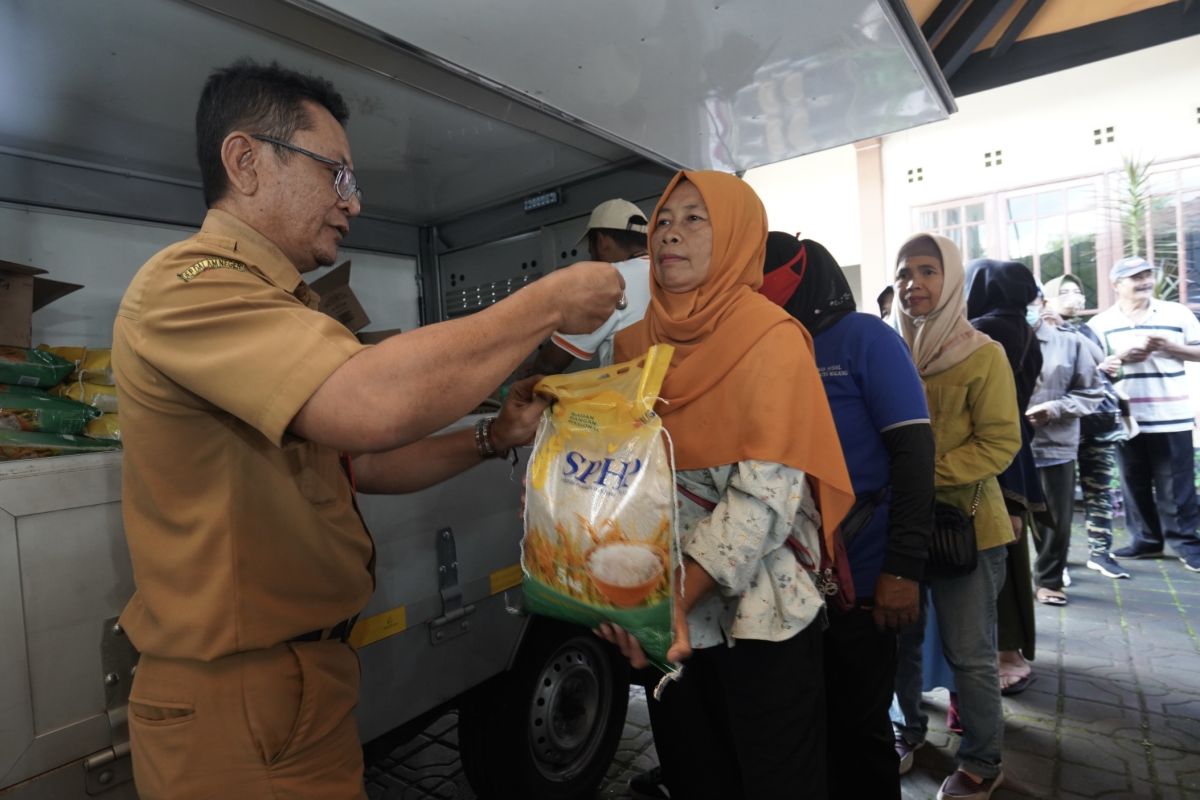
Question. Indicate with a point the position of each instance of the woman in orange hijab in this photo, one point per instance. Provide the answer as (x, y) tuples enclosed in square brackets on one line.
[(757, 455)]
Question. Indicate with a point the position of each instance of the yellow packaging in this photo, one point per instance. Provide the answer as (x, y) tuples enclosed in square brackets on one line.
[(600, 503), (94, 394), (105, 426), (92, 364)]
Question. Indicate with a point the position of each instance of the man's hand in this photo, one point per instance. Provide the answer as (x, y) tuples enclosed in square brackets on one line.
[(1135, 355), (1111, 366), (897, 601), (1160, 344), (1039, 415), (586, 294), (517, 421)]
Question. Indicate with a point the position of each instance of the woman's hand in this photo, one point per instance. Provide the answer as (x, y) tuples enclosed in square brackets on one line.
[(518, 419), (679, 651)]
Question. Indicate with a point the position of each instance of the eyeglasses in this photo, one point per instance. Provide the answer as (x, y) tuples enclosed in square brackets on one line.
[(344, 182)]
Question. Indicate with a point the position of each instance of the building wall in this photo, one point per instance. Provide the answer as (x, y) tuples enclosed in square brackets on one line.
[(1043, 127), (816, 196)]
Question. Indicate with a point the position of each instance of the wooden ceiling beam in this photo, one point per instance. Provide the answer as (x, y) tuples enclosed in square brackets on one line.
[(1018, 25), (939, 20), (967, 32)]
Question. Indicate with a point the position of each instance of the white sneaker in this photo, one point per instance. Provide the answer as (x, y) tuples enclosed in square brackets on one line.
[(1106, 565), (1066, 578), (905, 751)]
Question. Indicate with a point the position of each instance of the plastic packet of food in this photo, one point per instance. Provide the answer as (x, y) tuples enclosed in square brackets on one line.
[(27, 409), (599, 542), (105, 426), (94, 394), (21, 366), (92, 364), (34, 444)]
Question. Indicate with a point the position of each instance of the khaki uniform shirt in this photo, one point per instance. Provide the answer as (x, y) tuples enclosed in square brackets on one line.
[(241, 535)]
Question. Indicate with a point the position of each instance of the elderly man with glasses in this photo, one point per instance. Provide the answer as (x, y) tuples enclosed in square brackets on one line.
[(1147, 341), (239, 403)]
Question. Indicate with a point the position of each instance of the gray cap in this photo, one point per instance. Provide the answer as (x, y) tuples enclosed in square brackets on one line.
[(1128, 266)]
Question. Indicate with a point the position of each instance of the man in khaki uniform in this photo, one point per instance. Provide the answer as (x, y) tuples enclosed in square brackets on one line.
[(238, 398)]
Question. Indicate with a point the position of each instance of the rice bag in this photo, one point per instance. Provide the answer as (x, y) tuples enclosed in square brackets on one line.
[(94, 394), (33, 444), (92, 364), (599, 539), (24, 367), (105, 426), (27, 409)]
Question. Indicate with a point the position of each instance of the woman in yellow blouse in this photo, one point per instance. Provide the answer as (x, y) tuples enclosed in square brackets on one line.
[(973, 410)]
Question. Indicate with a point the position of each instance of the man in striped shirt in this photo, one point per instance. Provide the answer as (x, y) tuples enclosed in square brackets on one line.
[(1147, 342)]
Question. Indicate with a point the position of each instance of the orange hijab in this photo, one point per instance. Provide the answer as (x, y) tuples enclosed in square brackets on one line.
[(743, 383)]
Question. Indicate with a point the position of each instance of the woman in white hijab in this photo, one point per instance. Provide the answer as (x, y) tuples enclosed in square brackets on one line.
[(973, 410)]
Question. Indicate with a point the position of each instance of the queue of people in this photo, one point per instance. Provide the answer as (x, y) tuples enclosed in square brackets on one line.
[(795, 420)]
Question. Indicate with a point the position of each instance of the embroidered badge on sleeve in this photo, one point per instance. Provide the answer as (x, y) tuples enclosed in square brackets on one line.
[(210, 263)]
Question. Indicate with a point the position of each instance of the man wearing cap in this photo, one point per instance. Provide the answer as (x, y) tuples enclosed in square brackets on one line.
[(1146, 341), (616, 233)]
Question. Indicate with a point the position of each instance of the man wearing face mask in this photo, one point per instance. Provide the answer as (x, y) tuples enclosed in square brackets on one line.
[(1147, 342), (1098, 431), (1068, 388)]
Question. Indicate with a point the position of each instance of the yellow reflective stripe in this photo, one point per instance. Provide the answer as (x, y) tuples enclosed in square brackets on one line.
[(506, 578), (381, 626)]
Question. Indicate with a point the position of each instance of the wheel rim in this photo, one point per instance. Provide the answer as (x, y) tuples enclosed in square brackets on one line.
[(569, 709)]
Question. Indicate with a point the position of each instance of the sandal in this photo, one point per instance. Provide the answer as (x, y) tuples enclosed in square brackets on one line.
[(1017, 686), (1051, 597)]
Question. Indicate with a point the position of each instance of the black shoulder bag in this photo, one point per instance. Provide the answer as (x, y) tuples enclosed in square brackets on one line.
[(952, 549)]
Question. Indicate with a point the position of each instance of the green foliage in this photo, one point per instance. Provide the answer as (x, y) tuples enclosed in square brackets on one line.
[(1146, 218)]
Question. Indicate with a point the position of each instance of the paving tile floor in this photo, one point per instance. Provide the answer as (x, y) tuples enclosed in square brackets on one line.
[(1114, 712)]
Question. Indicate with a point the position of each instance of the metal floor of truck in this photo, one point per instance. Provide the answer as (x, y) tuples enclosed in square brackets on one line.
[(1114, 712)]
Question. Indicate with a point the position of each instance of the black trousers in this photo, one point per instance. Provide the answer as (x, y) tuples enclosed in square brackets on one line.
[(860, 676), (745, 722), (1158, 481), (1053, 541)]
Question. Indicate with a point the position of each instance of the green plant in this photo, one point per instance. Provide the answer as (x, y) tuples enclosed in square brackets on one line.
[(1147, 222)]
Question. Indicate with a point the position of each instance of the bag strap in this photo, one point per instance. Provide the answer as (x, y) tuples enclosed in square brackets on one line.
[(975, 500), (707, 505), (1029, 337)]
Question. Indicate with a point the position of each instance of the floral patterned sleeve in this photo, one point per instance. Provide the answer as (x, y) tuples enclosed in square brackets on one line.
[(762, 593)]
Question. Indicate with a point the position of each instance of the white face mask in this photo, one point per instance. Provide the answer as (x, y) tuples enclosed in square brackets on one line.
[(1033, 314)]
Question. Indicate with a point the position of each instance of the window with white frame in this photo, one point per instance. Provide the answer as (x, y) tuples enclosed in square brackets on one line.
[(1055, 230), (1076, 227), (1170, 238), (965, 223)]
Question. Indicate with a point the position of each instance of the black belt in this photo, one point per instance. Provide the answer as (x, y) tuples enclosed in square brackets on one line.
[(340, 631)]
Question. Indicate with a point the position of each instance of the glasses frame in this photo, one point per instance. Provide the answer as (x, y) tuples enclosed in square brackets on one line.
[(343, 168)]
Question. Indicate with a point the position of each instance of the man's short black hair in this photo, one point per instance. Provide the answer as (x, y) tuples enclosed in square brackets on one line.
[(626, 240), (267, 100)]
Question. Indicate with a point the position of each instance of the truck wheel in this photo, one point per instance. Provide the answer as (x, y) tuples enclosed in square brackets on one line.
[(549, 727)]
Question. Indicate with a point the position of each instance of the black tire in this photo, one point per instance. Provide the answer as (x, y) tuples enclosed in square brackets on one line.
[(549, 727)]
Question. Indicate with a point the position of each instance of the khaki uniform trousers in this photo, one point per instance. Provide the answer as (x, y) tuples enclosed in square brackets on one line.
[(273, 723)]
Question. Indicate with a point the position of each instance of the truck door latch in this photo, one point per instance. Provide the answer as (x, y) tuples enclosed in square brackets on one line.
[(118, 662), (453, 622)]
